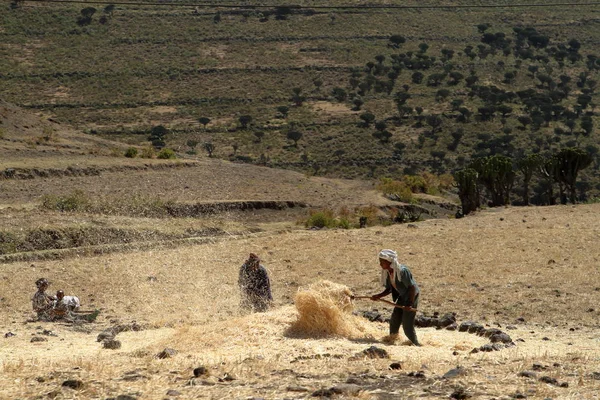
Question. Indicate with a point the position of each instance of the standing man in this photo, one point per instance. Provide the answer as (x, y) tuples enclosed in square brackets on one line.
[(255, 285), (42, 303), (398, 280)]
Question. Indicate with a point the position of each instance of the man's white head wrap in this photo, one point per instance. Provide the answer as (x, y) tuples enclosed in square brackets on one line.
[(388, 255), (392, 257)]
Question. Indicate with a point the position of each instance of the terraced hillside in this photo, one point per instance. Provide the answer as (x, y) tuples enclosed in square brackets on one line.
[(290, 86)]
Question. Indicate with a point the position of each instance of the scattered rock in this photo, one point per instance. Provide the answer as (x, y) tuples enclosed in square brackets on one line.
[(298, 389), (38, 339), (106, 334), (347, 389), (511, 327), (460, 394), (527, 374), (48, 332), (111, 344), (73, 384), (9, 334), (452, 327), (418, 374), (521, 319), (547, 379), (595, 375), (539, 367), (518, 395), (227, 378), (375, 352), (500, 338), (166, 353), (200, 371), (454, 372), (173, 393), (132, 376), (411, 226), (323, 393), (373, 316), (40, 379), (545, 338), (125, 397), (395, 366)]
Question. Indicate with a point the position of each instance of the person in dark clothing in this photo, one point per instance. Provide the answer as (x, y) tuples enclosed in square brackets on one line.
[(255, 285), (398, 280), (42, 302)]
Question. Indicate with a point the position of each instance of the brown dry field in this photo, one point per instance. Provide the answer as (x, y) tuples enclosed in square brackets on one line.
[(540, 264), (537, 264)]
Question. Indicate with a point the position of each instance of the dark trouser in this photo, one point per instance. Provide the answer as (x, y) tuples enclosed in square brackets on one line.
[(404, 318)]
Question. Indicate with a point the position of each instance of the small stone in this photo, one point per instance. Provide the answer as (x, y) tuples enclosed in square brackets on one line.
[(395, 366), (538, 367), (323, 393), (298, 389), (166, 353), (452, 327), (40, 379), (346, 389), (527, 374), (106, 334), (545, 338), (202, 370), (38, 339), (500, 338), (454, 372), (227, 378), (9, 334), (412, 226), (111, 344), (549, 380), (511, 327), (520, 319), (73, 384), (418, 374), (595, 375), (173, 393), (564, 385), (125, 397), (375, 352), (460, 394), (518, 395)]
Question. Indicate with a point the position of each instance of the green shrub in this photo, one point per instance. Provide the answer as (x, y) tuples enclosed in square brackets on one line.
[(131, 152), (166, 154), (75, 201), (400, 189), (343, 223), (148, 152)]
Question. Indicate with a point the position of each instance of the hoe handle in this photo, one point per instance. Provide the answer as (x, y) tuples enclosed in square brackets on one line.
[(387, 302)]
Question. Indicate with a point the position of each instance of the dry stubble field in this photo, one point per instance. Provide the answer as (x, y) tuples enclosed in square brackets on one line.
[(533, 269), (538, 264)]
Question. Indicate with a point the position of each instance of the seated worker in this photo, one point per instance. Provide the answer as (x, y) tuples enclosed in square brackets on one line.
[(42, 303), (65, 304), (255, 285)]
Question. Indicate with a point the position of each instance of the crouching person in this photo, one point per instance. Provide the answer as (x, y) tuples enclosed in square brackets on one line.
[(255, 285)]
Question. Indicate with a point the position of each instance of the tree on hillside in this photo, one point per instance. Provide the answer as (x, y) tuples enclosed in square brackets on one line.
[(528, 165), (339, 94), (367, 118), (283, 110), (294, 135), (468, 192), (86, 16), (297, 97), (569, 162), (204, 121), (157, 136), (497, 175), (209, 147), (396, 41), (245, 120), (434, 121), (259, 135)]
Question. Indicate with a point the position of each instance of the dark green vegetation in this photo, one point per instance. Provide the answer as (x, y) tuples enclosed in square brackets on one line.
[(344, 92)]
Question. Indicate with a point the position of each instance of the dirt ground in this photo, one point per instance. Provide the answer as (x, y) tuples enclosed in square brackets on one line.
[(533, 269)]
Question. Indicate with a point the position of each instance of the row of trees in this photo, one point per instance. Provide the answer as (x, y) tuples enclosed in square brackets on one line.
[(497, 175)]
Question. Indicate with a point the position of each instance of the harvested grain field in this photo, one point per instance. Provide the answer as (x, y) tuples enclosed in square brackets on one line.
[(532, 272)]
